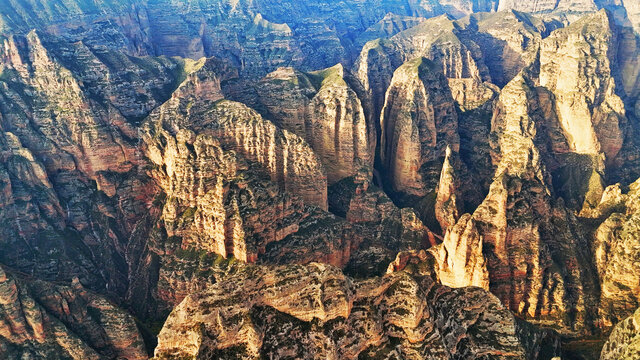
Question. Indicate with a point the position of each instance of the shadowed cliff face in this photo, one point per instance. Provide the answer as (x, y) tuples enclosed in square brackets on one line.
[(345, 179), (43, 320)]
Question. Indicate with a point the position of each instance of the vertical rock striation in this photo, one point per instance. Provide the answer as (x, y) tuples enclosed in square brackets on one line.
[(323, 109), (418, 122)]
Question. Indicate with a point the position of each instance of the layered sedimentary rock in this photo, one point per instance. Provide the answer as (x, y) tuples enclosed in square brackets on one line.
[(149, 212), (365, 236), (257, 37), (465, 51), (286, 157), (43, 320), (233, 185), (447, 206), (323, 109), (616, 250), (526, 234), (508, 41), (591, 114), (418, 123), (580, 6), (459, 259), (316, 312), (390, 25), (69, 155)]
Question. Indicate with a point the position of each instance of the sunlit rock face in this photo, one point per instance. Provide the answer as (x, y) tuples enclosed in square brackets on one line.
[(324, 110), (548, 6), (337, 179), (616, 249), (43, 320), (418, 122), (590, 113), (623, 342)]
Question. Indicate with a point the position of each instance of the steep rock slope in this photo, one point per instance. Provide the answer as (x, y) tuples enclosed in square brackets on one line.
[(42, 320), (418, 123), (285, 156), (257, 36), (590, 112), (527, 236), (231, 184), (616, 252), (578, 6), (151, 214), (324, 110), (465, 52), (459, 260), (69, 155)]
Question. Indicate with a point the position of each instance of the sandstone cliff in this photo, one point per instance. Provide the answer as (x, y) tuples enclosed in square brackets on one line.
[(323, 109), (616, 252), (418, 122), (286, 157), (477, 150), (69, 155)]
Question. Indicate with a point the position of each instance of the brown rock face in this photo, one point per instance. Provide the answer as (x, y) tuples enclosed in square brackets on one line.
[(466, 52), (527, 236), (459, 259), (591, 114), (257, 36), (418, 122), (323, 109), (208, 187), (231, 185), (616, 253), (580, 6), (316, 312), (447, 207), (69, 159), (286, 157), (42, 320)]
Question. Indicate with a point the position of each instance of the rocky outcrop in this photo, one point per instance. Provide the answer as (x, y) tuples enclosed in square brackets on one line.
[(69, 150), (508, 41), (323, 109), (465, 51), (579, 6), (287, 158), (459, 259), (525, 231), (418, 122), (616, 250), (227, 189), (447, 207), (140, 177), (316, 312), (390, 25), (42, 320), (624, 341), (591, 114), (256, 37), (363, 240)]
